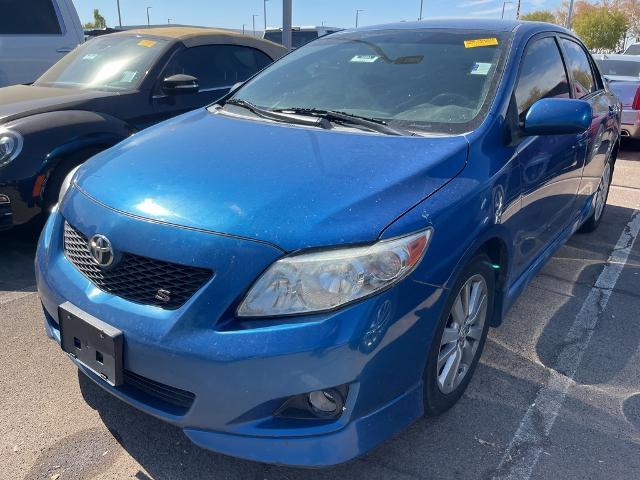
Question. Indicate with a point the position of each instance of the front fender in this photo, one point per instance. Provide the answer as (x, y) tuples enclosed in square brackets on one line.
[(51, 136), (467, 215)]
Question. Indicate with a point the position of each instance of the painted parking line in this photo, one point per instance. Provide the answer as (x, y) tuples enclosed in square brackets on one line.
[(525, 448), (12, 295)]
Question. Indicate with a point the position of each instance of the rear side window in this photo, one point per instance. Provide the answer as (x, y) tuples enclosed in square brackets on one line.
[(28, 17), (218, 65), (542, 75), (580, 68)]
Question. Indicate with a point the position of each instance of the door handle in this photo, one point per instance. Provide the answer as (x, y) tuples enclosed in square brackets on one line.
[(64, 50)]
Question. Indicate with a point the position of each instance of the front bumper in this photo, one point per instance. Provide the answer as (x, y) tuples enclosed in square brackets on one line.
[(16, 205), (241, 372), (630, 124)]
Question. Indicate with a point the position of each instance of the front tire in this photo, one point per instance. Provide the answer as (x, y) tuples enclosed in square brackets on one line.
[(460, 336)]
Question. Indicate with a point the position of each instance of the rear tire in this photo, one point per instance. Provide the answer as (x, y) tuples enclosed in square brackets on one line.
[(602, 194), (460, 336)]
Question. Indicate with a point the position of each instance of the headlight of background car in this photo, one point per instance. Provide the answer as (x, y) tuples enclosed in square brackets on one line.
[(10, 146), (318, 281), (66, 183)]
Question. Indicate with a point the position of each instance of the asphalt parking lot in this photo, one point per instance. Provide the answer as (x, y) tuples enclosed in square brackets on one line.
[(557, 393)]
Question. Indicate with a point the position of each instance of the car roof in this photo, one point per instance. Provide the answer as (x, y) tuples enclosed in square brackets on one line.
[(470, 24), (616, 56), (198, 36)]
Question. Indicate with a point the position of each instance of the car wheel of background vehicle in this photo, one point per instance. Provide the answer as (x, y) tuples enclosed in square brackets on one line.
[(460, 336), (57, 176), (600, 201)]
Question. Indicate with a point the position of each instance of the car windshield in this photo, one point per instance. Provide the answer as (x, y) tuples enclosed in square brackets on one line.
[(111, 62), (298, 37), (425, 80), (621, 68)]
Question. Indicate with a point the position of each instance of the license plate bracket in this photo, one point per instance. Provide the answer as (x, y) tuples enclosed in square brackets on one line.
[(94, 343)]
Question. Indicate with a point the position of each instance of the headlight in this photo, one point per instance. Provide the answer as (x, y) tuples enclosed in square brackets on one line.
[(10, 146), (318, 281), (66, 183)]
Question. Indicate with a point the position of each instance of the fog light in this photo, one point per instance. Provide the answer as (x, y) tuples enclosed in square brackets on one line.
[(4, 199), (326, 403)]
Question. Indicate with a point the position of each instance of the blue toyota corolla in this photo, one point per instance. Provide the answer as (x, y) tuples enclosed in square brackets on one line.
[(300, 271)]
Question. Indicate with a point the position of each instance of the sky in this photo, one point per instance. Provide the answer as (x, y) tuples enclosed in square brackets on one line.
[(338, 13)]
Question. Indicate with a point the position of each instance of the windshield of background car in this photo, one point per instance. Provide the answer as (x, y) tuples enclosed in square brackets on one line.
[(426, 80), (633, 49), (298, 37), (110, 62), (619, 68)]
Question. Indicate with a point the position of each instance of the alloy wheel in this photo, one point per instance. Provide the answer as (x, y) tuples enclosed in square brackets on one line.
[(462, 334)]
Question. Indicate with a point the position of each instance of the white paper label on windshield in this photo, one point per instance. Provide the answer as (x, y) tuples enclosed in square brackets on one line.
[(364, 58), (480, 68), (128, 76)]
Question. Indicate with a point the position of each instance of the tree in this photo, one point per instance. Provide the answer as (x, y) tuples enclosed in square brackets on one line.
[(601, 28), (562, 12), (631, 9), (539, 16), (98, 21)]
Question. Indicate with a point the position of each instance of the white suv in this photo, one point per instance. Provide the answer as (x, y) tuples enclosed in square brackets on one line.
[(35, 34)]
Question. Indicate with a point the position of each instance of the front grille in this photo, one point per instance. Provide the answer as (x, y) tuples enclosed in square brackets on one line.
[(136, 278), (165, 393)]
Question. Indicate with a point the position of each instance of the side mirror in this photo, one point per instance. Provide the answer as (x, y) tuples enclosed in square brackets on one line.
[(558, 116), (180, 84)]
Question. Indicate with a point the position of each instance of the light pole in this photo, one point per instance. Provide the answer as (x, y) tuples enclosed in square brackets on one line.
[(504, 4), (119, 16), (243, 25), (421, 4), (569, 16), (358, 16), (264, 6), (148, 21), (286, 24), (253, 18), (518, 11)]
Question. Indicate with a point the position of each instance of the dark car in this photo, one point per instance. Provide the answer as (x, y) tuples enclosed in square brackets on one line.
[(102, 92)]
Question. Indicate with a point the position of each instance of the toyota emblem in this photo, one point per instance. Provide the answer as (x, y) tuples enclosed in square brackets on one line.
[(101, 250)]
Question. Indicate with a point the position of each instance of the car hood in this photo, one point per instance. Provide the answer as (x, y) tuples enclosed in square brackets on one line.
[(294, 187), (23, 100)]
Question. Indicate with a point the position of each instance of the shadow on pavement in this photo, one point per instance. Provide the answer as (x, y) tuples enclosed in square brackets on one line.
[(478, 430), (617, 334), (17, 251)]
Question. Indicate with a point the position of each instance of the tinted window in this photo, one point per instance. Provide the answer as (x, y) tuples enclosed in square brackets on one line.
[(424, 79), (28, 17), (218, 65), (298, 37), (621, 68), (542, 75), (580, 68), (633, 49), (111, 62)]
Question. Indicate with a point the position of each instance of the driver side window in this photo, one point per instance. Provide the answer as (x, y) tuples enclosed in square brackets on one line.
[(542, 75)]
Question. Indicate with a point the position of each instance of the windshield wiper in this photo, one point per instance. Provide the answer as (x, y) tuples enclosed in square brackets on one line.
[(277, 116), (373, 124)]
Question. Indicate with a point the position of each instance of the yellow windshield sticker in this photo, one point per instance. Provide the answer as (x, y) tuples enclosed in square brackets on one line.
[(147, 43), (480, 42)]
